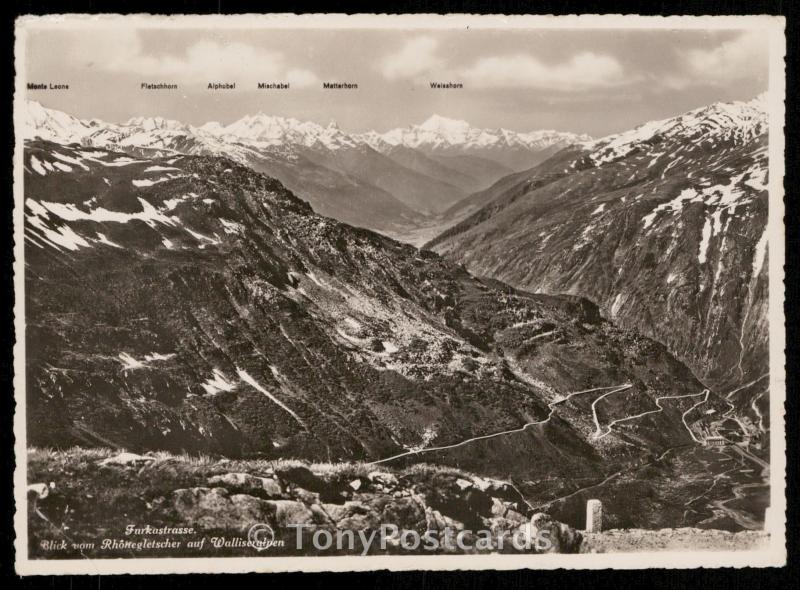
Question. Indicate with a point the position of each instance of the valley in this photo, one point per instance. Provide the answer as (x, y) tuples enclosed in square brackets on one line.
[(662, 226)]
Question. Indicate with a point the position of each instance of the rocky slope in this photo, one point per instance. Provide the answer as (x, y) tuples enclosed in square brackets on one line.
[(84, 496), (190, 304), (662, 226)]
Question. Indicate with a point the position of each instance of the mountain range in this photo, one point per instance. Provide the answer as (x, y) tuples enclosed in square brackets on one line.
[(391, 182)]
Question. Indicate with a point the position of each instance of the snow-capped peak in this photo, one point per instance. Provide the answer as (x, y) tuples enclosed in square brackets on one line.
[(155, 123), (212, 127), (435, 133), (438, 133), (41, 122), (444, 125), (760, 102), (267, 128), (735, 122)]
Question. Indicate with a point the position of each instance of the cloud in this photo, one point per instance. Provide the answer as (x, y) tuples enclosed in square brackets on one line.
[(104, 49), (204, 60), (735, 59), (417, 57), (582, 71)]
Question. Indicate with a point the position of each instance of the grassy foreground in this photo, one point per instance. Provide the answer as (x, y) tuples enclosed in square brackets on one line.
[(101, 503)]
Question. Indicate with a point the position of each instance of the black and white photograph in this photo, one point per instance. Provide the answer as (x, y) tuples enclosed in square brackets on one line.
[(398, 292)]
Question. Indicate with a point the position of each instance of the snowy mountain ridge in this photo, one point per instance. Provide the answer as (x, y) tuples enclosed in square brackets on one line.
[(441, 133), (735, 122), (261, 130)]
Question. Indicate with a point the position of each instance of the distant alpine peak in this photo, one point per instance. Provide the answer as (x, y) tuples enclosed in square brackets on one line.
[(261, 126), (273, 130), (444, 124), (155, 123), (760, 102), (438, 133), (212, 127), (52, 125), (435, 133)]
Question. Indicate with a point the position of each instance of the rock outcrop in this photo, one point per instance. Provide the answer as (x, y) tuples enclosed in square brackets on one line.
[(441, 510)]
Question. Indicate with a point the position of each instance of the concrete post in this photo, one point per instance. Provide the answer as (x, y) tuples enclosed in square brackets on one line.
[(768, 516), (594, 516)]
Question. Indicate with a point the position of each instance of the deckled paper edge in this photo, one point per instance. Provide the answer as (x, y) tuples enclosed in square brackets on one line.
[(773, 555)]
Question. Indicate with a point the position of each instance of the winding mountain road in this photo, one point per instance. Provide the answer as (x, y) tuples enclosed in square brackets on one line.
[(746, 385), (748, 455), (551, 406), (600, 434)]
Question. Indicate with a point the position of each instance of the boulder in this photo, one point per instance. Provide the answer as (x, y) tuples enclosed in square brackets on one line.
[(354, 515), (271, 487), (303, 477), (247, 484), (216, 509), (306, 497), (467, 505), (436, 521), (292, 512), (126, 460), (40, 490), (383, 478), (405, 512), (499, 489), (479, 502), (550, 536), (512, 514), (507, 509), (464, 484)]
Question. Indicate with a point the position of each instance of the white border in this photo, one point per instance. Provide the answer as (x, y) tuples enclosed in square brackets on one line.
[(404, 21), (774, 554)]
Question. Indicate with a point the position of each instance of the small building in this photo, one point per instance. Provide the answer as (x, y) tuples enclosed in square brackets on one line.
[(716, 441)]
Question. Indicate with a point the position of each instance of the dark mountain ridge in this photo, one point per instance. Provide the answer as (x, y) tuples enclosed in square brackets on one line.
[(193, 305)]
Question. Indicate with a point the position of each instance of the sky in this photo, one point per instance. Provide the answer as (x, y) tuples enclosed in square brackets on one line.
[(595, 81)]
